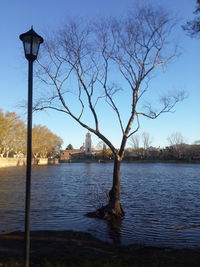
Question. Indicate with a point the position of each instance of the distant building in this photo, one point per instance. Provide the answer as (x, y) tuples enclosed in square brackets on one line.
[(84, 152), (66, 155), (88, 144)]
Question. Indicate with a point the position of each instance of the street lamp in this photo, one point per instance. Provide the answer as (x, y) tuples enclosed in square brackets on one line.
[(31, 41)]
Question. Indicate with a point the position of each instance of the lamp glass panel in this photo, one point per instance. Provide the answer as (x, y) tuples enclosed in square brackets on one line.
[(27, 48), (27, 44), (35, 46)]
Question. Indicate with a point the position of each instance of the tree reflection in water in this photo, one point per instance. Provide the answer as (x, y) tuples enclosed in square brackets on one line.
[(114, 230)]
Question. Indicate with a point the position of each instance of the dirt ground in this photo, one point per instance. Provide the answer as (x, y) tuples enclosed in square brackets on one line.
[(68, 248)]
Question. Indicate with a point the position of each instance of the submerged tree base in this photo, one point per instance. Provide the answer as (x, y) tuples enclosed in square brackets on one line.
[(107, 213)]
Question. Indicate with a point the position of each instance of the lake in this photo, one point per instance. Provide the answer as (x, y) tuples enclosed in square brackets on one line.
[(156, 197)]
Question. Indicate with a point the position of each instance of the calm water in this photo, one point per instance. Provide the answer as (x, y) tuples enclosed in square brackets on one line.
[(155, 196)]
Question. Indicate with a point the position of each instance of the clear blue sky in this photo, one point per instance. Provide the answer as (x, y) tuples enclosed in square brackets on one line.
[(17, 16)]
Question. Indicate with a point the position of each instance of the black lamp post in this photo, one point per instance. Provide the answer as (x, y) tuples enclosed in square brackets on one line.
[(31, 41)]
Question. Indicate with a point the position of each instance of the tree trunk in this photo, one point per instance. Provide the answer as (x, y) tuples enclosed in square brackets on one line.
[(113, 209), (114, 194)]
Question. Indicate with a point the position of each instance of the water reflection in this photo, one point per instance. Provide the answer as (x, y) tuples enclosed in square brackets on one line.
[(114, 230)]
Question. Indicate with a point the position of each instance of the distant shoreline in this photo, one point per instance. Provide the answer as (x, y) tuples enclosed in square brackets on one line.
[(13, 162), (131, 161)]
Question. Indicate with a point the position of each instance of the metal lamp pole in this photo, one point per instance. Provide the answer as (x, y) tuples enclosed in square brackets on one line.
[(28, 163), (31, 41)]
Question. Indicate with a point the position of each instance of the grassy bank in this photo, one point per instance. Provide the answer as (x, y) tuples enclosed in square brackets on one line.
[(68, 248)]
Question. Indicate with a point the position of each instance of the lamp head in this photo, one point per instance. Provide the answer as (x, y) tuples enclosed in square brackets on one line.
[(31, 41)]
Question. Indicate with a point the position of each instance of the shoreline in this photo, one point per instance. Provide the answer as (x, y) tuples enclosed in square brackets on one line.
[(14, 163), (131, 161), (70, 248)]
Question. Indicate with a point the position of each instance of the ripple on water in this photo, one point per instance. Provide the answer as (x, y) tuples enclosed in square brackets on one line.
[(156, 198)]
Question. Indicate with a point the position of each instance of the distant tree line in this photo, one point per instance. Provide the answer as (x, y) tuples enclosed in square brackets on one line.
[(177, 149), (140, 148), (13, 138)]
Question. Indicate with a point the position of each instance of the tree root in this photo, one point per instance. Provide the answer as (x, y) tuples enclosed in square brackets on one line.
[(106, 213)]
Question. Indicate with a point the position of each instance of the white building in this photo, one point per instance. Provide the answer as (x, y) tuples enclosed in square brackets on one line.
[(88, 144)]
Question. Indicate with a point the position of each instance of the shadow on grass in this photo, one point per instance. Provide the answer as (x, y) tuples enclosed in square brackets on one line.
[(70, 249)]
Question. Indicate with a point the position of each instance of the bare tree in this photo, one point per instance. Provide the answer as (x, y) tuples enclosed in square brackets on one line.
[(99, 145), (197, 142), (176, 139), (147, 140), (135, 141), (177, 143), (193, 26), (83, 63)]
